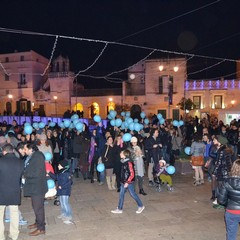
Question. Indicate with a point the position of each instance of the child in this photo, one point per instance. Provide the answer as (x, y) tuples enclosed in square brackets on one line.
[(127, 182), (64, 185), (163, 175)]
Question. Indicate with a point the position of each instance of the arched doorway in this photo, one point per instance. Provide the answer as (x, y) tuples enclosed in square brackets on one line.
[(78, 108), (135, 111), (9, 108), (93, 110)]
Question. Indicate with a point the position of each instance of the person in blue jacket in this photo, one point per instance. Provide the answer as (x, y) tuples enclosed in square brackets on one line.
[(64, 186)]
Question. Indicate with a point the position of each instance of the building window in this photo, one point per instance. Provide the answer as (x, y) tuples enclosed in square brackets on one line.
[(217, 101), (22, 79), (197, 102), (160, 85), (6, 77), (21, 58)]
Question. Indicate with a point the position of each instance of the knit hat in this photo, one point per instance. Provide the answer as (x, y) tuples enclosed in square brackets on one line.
[(64, 163), (133, 139), (221, 139), (162, 161)]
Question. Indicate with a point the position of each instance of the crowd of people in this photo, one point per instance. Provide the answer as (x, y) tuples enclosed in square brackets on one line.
[(215, 148)]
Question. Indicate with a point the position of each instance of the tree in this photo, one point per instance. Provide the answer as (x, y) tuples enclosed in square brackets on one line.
[(186, 104)]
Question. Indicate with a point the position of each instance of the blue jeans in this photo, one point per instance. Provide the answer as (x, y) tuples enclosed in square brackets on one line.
[(65, 206), (132, 193), (102, 176), (232, 222)]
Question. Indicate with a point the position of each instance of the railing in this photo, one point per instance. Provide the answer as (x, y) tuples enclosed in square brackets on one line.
[(212, 84)]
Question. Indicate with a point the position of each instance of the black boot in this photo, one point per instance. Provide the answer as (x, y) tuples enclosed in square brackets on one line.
[(142, 192)]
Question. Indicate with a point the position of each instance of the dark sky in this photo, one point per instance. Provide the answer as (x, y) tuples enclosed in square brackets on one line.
[(212, 31)]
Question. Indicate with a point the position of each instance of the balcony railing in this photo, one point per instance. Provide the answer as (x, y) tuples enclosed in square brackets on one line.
[(212, 84)]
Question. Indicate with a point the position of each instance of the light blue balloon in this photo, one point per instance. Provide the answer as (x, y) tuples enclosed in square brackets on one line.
[(66, 123), (129, 120), (100, 167), (113, 122), (175, 123), (48, 156), (75, 121), (52, 124), (142, 114), (28, 129), (41, 125), (128, 114), (171, 169), (159, 116), (27, 124), (162, 121), (113, 113), (181, 123), (97, 118), (146, 121), (137, 127), (126, 137), (122, 114), (118, 122), (123, 126), (35, 125), (131, 126), (109, 116), (74, 116), (135, 120), (79, 126), (61, 125), (126, 124), (187, 150), (50, 183), (72, 126)]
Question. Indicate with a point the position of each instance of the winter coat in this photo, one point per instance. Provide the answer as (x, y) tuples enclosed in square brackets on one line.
[(223, 163), (229, 193), (127, 171), (109, 158), (11, 170), (232, 137), (64, 182), (35, 176)]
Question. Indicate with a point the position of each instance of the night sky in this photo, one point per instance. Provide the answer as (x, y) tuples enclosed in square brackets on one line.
[(173, 25)]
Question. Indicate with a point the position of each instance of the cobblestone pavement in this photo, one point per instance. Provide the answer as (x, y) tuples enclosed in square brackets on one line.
[(184, 214)]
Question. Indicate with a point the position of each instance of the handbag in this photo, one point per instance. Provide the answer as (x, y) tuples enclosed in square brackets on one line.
[(197, 160)]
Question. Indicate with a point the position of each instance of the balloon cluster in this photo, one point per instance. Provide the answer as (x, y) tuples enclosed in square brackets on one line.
[(177, 123)]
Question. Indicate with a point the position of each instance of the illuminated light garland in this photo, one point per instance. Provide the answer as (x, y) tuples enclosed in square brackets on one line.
[(82, 71), (4, 70), (50, 60)]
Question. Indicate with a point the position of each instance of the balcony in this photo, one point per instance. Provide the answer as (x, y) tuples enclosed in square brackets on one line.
[(211, 84), (20, 85)]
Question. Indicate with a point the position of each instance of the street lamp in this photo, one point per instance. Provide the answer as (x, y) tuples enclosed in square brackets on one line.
[(55, 100)]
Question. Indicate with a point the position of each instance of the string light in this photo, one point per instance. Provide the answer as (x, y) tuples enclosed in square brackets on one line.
[(50, 60), (81, 71), (206, 68)]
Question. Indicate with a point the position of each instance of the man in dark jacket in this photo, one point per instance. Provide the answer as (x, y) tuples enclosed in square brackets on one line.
[(36, 186), (11, 169)]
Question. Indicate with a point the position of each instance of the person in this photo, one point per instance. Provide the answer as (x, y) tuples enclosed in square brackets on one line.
[(229, 196), (163, 175), (138, 164), (127, 183), (197, 151), (64, 185), (35, 186), (11, 170)]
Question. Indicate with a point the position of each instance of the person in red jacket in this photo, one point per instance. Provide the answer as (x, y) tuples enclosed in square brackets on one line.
[(127, 182)]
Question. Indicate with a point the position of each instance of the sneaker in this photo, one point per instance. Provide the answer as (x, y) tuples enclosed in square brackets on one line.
[(7, 220), (118, 211), (196, 183), (101, 183), (169, 188), (23, 222), (140, 209), (68, 222), (150, 183), (201, 181), (215, 202)]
